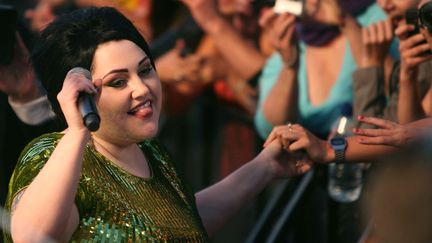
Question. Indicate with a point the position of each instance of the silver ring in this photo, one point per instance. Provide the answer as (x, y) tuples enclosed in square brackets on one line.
[(290, 126)]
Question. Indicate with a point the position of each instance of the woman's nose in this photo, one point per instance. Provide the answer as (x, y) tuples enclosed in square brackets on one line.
[(139, 87)]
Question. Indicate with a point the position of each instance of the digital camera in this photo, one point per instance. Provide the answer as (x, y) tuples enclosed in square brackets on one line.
[(294, 7)]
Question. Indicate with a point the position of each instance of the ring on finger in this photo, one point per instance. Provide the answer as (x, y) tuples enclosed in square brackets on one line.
[(290, 126)]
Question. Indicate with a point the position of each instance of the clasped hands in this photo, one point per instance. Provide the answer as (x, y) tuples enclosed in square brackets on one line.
[(296, 149)]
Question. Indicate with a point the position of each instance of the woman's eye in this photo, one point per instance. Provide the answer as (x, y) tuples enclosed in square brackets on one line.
[(145, 71), (118, 83)]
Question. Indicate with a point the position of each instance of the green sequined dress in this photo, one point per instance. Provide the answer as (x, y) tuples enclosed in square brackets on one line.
[(115, 206)]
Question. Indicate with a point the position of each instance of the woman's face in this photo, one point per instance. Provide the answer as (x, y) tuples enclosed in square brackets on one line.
[(396, 9), (131, 96)]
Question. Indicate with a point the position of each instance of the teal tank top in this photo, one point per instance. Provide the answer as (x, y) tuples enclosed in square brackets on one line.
[(318, 119)]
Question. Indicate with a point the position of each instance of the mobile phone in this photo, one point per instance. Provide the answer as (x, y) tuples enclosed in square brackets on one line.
[(294, 7), (8, 26), (411, 18)]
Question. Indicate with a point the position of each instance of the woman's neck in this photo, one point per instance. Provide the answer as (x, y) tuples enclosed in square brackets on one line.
[(129, 157), (323, 67)]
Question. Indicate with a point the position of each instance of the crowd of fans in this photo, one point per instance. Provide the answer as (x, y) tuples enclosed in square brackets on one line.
[(234, 74)]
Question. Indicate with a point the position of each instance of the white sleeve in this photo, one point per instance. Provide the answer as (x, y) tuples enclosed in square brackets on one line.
[(34, 112)]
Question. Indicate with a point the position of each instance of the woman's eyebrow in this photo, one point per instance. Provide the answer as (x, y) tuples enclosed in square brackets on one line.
[(143, 60), (122, 70), (125, 70)]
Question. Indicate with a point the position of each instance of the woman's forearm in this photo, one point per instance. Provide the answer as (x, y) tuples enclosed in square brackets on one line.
[(280, 104), (220, 202), (409, 104), (48, 202), (353, 32), (241, 54)]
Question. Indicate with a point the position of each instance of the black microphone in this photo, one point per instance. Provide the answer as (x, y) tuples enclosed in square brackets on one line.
[(86, 104)]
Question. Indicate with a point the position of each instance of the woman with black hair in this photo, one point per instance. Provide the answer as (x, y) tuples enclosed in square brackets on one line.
[(117, 183)]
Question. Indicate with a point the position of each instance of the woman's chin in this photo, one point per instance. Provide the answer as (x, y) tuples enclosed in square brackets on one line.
[(149, 132)]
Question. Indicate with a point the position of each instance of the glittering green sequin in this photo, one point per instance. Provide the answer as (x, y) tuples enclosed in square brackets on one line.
[(116, 206)]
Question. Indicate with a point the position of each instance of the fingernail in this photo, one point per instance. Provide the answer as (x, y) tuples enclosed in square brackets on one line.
[(356, 130), (360, 117)]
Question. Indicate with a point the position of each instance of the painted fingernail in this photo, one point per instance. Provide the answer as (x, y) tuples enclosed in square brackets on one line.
[(356, 130), (360, 117)]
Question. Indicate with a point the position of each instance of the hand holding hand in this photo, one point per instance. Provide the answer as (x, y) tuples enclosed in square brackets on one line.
[(295, 138), (377, 39), (284, 164), (387, 133)]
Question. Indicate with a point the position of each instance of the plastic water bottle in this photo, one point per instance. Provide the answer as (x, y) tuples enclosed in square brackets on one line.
[(344, 180)]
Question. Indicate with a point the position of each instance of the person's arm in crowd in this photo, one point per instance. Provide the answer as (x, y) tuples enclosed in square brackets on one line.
[(391, 133), (25, 93), (369, 144), (218, 203), (369, 80), (240, 54), (353, 32), (280, 105), (243, 92), (55, 186), (173, 67), (412, 51)]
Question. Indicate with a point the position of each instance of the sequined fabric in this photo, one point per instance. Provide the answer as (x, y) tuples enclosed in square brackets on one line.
[(116, 206)]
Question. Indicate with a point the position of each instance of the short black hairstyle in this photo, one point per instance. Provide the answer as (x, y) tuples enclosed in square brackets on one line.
[(71, 41)]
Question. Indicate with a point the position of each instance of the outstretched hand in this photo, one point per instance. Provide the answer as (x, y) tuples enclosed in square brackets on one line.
[(282, 163), (388, 132)]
